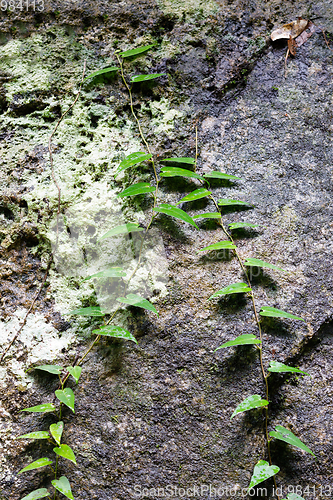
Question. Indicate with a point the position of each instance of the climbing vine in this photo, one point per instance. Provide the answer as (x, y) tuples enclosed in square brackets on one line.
[(185, 167)]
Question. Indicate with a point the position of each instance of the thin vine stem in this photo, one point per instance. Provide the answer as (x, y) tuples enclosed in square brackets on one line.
[(257, 320), (155, 197)]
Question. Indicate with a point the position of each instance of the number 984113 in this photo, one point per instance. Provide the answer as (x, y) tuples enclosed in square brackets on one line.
[(14, 5)]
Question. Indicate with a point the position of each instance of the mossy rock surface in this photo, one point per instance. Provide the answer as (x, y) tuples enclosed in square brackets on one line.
[(158, 414)]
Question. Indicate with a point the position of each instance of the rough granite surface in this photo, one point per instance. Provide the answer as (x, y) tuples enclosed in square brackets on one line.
[(157, 414)]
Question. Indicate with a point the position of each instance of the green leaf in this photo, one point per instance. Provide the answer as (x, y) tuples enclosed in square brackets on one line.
[(62, 485), (41, 462), (115, 331), (227, 202), (133, 159), (234, 288), (66, 396), (261, 263), (250, 403), (87, 311), (113, 272), (238, 225), (34, 495), (130, 227), (175, 212), (208, 215), (135, 300), (65, 451), (277, 313), (178, 172), (247, 339), (112, 69), (219, 175), (144, 78), (262, 471), (56, 431), (75, 371), (139, 188), (218, 246), (136, 52), (35, 435), (195, 195), (183, 159), (44, 408), (54, 369), (293, 496), (277, 367), (287, 436)]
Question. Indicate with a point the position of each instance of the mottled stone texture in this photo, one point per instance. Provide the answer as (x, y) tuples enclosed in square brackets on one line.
[(158, 413)]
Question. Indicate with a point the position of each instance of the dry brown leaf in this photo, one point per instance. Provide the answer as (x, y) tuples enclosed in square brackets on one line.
[(292, 29), (310, 29), (292, 46)]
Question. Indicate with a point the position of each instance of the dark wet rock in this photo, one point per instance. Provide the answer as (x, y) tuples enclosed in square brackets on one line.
[(158, 414)]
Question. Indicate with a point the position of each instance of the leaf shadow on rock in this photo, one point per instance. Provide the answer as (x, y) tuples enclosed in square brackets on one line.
[(240, 361), (274, 326), (179, 184), (168, 225), (231, 303), (259, 277)]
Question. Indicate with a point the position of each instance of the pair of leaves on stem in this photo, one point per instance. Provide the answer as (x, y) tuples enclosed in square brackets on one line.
[(56, 431), (61, 484), (65, 396), (75, 371)]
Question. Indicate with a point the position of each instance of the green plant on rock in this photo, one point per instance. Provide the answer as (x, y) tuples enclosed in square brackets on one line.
[(53, 435), (186, 167), (173, 167)]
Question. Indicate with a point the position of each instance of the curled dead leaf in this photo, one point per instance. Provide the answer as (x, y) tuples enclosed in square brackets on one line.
[(292, 46), (293, 29), (302, 38)]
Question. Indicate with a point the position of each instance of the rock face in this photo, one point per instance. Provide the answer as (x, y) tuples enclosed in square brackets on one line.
[(157, 414)]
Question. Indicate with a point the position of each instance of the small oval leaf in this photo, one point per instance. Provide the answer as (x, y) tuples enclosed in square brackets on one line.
[(87, 311), (66, 396), (116, 332), (41, 462), (179, 172), (34, 495), (234, 288), (54, 369), (136, 52), (183, 159), (35, 435), (195, 195), (130, 227), (111, 69), (272, 312), (262, 471), (133, 159), (135, 300), (277, 367), (250, 403), (139, 188), (208, 215), (145, 78), (247, 339), (228, 202), (62, 485), (219, 245), (261, 263), (219, 175), (75, 371), (43, 408), (175, 212), (239, 225), (65, 451), (56, 431), (293, 496), (287, 436)]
